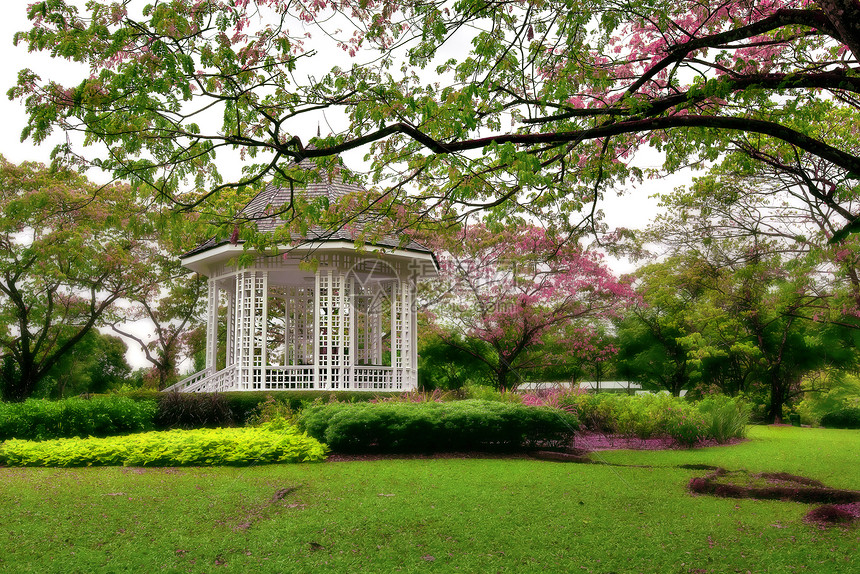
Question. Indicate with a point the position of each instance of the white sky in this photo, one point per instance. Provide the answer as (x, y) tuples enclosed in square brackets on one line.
[(632, 210)]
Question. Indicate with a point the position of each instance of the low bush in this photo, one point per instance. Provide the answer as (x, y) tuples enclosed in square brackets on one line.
[(436, 426), (717, 418), (434, 396), (488, 393), (847, 418), (245, 404), (270, 410), (193, 411), (202, 447), (40, 419)]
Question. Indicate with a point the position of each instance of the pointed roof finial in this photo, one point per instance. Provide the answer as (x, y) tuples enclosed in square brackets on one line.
[(318, 129)]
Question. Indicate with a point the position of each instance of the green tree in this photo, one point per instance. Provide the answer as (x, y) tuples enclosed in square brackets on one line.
[(651, 335), (735, 315), (68, 252), (96, 364), (775, 303), (449, 367)]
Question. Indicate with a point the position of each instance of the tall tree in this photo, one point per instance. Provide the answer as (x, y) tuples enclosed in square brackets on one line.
[(68, 252), (651, 334), (777, 307), (511, 289), (170, 302), (539, 114)]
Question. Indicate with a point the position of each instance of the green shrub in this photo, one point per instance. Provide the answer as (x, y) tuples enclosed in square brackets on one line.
[(270, 410), (200, 447), (433, 427), (488, 393), (41, 419), (244, 406), (596, 412), (684, 424), (650, 416), (847, 418)]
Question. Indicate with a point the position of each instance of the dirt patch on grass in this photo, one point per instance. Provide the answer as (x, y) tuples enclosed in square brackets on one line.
[(840, 506), (834, 515)]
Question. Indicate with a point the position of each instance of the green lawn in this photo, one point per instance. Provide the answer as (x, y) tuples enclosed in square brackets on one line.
[(432, 515)]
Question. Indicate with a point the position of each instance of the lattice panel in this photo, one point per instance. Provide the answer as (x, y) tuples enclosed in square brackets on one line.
[(250, 328), (407, 349), (299, 326), (397, 328), (260, 321), (290, 378), (321, 321), (231, 328)]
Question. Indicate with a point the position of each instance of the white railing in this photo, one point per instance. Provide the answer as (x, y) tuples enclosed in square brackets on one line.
[(187, 382), (206, 382), (302, 378)]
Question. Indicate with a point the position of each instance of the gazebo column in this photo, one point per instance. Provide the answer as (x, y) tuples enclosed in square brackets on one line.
[(352, 329), (231, 327), (375, 327), (396, 336), (320, 330), (409, 329), (250, 329), (212, 326), (403, 346)]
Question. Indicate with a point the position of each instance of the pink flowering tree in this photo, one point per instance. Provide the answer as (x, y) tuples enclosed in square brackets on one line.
[(509, 107), (530, 300)]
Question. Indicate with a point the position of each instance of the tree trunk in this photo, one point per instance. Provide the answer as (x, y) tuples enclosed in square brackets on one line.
[(503, 378), (777, 398), (844, 15)]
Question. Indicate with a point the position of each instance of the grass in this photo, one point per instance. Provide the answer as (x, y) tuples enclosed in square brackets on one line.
[(444, 515)]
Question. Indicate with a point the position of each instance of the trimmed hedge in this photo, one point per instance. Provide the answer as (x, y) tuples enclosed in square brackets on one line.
[(847, 418), (434, 427), (41, 419), (202, 447)]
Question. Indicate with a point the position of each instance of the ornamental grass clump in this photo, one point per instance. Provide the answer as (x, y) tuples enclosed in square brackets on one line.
[(193, 410), (725, 417), (267, 444), (434, 396)]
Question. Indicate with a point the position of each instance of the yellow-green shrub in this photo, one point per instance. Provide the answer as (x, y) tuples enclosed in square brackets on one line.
[(266, 444)]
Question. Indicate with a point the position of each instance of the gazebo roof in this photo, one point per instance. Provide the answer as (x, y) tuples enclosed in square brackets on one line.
[(273, 198)]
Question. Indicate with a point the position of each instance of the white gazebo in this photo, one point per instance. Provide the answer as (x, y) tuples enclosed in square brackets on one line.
[(347, 325)]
